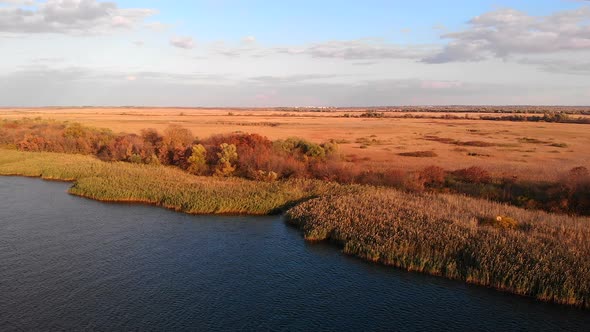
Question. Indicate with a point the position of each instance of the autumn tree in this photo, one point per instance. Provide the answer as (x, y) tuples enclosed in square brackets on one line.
[(175, 143), (176, 136), (227, 156), (198, 160)]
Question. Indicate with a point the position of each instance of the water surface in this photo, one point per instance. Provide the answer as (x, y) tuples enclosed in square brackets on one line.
[(68, 263)]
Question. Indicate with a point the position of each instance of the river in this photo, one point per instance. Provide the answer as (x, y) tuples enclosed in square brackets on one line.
[(68, 263)]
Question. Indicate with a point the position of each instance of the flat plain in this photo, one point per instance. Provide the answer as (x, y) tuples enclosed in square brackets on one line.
[(526, 150)]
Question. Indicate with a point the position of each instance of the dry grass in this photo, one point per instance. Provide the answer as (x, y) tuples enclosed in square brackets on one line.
[(525, 252), (392, 135)]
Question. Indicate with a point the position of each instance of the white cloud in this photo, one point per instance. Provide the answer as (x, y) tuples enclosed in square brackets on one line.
[(506, 32), (18, 2), (360, 49), (559, 65), (68, 16), (183, 42)]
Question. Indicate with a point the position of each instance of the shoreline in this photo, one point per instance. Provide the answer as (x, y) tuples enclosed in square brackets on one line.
[(329, 240), (341, 214)]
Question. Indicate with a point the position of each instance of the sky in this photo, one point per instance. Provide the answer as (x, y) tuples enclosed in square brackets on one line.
[(231, 53)]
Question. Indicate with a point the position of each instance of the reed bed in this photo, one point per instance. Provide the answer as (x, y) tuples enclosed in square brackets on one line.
[(164, 186), (532, 253)]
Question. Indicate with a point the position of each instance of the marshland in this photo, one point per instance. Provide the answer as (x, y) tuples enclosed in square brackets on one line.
[(294, 165), (523, 236)]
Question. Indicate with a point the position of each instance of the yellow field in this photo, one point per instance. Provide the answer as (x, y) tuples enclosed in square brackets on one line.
[(529, 150)]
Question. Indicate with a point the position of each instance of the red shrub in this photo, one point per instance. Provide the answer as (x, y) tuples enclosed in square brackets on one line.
[(393, 178), (433, 176), (473, 174), (334, 171)]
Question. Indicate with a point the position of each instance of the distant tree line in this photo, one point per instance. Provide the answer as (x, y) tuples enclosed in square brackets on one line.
[(558, 117)]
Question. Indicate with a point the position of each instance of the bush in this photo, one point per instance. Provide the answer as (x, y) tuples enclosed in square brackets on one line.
[(372, 114), (421, 154), (500, 222), (433, 176), (330, 148), (267, 176), (300, 147), (473, 174)]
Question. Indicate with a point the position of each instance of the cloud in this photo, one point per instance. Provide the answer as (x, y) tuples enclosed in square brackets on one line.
[(156, 26), (183, 42), (559, 66), (440, 84), (68, 16), (249, 39), (293, 79), (84, 86), (48, 60), (360, 49), (18, 2), (246, 49), (506, 32)]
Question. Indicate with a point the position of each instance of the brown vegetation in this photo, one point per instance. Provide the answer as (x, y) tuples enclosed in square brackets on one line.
[(457, 142), (393, 135), (255, 157), (525, 252), (421, 154)]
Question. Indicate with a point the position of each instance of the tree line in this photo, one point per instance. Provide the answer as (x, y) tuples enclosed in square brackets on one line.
[(255, 157)]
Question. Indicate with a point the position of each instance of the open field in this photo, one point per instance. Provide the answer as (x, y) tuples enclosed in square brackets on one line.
[(527, 150)]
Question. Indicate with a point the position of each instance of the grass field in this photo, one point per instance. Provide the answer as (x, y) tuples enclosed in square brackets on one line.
[(528, 150)]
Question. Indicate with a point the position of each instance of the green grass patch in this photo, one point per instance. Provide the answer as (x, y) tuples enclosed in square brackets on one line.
[(164, 186)]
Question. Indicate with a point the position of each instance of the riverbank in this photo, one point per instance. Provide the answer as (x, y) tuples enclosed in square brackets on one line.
[(164, 186), (546, 256), (531, 253)]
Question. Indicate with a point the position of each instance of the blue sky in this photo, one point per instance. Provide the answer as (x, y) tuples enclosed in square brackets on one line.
[(294, 53), (288, 21)]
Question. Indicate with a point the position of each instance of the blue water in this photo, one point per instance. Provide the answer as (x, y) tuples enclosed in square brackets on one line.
[(68, 263)]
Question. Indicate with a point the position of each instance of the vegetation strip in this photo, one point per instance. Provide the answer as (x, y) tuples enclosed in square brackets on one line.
[(164, 186), (532, 253), (255, 157)]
